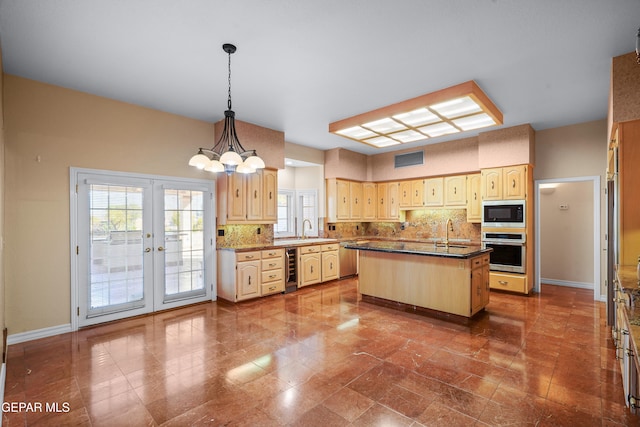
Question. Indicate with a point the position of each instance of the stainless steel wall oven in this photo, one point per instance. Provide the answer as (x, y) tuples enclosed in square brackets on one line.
[(509, 250)]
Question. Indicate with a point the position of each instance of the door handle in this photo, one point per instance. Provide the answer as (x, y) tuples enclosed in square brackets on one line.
[(160, 248), (147, 249)]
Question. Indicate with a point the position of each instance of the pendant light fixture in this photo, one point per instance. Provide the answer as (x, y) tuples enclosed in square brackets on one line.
[(227, 155)]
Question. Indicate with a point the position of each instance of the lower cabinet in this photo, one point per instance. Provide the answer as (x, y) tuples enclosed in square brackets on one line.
[(318, 263), (509, 282), (245, 275), (480, 287)]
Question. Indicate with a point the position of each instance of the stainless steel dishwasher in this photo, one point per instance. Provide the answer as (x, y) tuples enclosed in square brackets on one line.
[(348, 261)]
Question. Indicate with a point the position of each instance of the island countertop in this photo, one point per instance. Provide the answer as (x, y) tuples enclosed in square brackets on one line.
[(418, 248)]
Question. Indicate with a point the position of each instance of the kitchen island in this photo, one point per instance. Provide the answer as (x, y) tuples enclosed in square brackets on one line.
[(452, 280)]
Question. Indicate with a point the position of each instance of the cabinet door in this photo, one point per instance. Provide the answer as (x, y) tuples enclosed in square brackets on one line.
[(417, 193), (236, 197), (515, 182), (434, 194), (455, 190), (477, 290), (382, 210), (355, 193), (330, 270), (309, 269), (405, 194), (270, 195), (342, 199), (393, 195), (492, 184), (485, 283), (474, 202), (247, 279), (254, 196), (369, 190)]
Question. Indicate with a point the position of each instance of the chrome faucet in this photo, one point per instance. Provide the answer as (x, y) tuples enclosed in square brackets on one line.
[(447, 226), (306, 220)]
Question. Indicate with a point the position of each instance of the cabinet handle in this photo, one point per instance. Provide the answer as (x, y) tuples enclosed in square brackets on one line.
[(416, 193), (356, 200), (404, 193), (330, 266), (272, 265), (382, 201), (237, 192), (249, 279), (392, 200), (248, 256), (433, 191), (270, 195), (493, 185), (455, 190), (503, 282), (312, 268), (369, 201), (514, 184), (475, 196), (478, 291), (272, 288), (255, 194), (272, 253), (344, 200), (271, 276)]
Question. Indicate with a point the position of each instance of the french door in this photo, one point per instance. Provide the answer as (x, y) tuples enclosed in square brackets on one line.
[(143, 244)]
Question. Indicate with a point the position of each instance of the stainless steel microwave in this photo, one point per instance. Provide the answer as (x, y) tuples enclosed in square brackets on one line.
[(504, 213)]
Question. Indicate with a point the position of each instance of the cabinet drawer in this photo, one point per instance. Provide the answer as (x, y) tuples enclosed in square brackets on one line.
[(476, 262), (272, 264), (508, 283), (272, 288), (272, 253), (247, 256), (330, 247), (310, 249), (485, 259), (271, 276)]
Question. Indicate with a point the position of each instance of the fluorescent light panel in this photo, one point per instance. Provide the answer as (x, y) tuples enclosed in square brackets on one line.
[(455, 109)]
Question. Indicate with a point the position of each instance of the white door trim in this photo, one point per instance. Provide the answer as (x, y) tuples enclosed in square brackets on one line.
[(73, 222), (596, 229)]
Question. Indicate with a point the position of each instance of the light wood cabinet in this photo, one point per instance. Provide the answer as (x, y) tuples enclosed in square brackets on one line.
[(455, 191), (509, 282), (344, 200), (318, 263), (388, 201), (434, 195), (628, 147), (405, 194), (330, 264), (251, 274), (250, 198), (411, 194), (480, 286), (369, 192), (474, 201), (309, 270), (270, 195), (355, 199), (507, 183)]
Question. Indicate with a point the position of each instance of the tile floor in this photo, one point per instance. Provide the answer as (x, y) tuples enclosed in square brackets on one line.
[(319, 357)]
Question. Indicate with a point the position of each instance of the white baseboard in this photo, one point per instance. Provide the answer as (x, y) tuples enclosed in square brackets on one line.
[(38, 333), (581, 285)]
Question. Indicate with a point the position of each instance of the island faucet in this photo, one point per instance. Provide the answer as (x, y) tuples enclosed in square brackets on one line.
[(306, 220), (447, 226)]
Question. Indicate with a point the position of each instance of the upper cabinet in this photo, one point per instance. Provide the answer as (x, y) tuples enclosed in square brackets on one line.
[(388, 201), (369, 197), (507, 183), (434, 195), (474, 200), (345, 200), (455, 191), (248, 198)]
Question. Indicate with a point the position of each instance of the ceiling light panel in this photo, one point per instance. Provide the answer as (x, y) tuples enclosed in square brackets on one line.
[(455, 109)]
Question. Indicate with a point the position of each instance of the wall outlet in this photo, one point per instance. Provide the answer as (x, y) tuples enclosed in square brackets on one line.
[(258, 231), (221, 233)]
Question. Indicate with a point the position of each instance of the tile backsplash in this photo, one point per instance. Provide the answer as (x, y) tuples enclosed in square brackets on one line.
[(244, 234)]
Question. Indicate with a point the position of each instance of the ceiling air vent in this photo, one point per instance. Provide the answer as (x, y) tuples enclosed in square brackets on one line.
[(409, 159)]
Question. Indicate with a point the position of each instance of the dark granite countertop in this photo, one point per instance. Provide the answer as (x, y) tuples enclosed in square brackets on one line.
[(420, 248)]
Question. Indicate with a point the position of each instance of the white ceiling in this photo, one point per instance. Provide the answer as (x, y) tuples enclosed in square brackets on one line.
[(302, 64)]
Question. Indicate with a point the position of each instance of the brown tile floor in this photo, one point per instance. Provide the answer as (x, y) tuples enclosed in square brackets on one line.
[(320, 357)]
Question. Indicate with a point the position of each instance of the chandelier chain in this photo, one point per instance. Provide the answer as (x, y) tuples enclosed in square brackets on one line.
[(229, 98)]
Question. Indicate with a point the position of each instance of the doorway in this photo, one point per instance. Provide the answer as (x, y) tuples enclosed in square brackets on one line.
[(567, 235), (139, 244)]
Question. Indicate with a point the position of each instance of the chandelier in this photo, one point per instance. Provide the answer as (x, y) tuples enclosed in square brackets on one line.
[(227, 155)]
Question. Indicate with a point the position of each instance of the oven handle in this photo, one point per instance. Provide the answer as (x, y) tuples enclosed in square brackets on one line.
[(505, 242)]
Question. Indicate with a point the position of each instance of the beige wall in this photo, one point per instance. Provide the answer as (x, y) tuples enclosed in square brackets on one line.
[(566, 250), (2, 191), (576, 151), (47, 130)]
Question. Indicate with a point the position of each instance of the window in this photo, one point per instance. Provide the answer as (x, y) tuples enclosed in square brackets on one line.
[(285, 227), (294, 207)]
